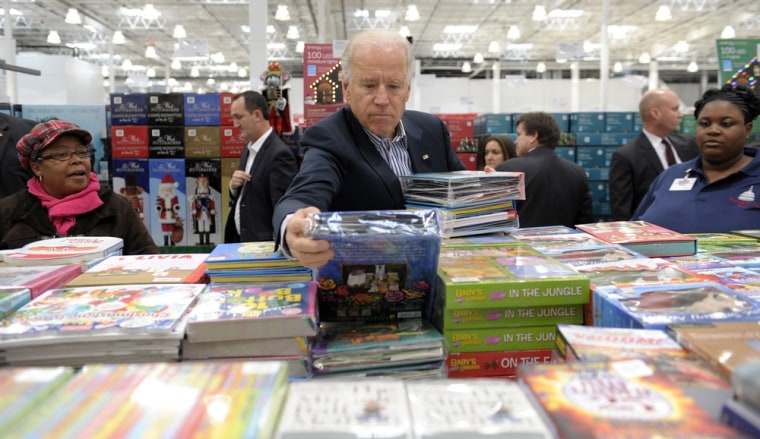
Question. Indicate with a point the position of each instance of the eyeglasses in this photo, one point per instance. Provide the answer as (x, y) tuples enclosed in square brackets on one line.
[(67, 155)]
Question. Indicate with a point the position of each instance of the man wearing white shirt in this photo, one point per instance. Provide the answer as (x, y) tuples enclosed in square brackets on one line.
[(636, 164), (266, 169)]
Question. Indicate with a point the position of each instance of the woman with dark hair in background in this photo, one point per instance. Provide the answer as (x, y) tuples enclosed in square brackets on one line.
[(497, 150), (719, 190)]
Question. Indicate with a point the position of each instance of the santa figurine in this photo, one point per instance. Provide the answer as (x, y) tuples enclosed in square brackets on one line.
[(167, 205)]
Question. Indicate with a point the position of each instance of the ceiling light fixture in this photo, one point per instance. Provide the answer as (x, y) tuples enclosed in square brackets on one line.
[(195, 72), (126, 64), (539, 13), (494, 47), (299, 46), (293, 33), (282, 13), (681, 47), (412, 14), (645, 58), (104, 71), (150, 51), (663, 13), (242, 73), (457, 29), (176, 64), (541, 67), (151, 72), (53, 37), (466, 67), (179, 32), (513, 33), (382, 13), (118, 38), (73, 17), (618, 67), (478, 58), (404, 31), (728, 32), (692, 67), (150, 13)]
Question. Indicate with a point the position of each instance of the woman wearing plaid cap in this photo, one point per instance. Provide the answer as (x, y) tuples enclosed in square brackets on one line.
[(64, 198)]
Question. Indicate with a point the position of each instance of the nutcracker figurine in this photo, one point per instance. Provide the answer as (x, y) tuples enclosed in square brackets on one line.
[(204, 211), (276, 90)]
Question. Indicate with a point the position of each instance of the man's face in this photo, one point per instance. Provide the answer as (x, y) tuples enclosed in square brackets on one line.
[(244, 120), (378, 89), (524, 142), (670, 113)]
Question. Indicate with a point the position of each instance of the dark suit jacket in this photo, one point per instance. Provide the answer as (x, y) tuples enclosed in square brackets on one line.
[(556, 190), (634, 167), (271, 173), (14, 176), (343, 171)]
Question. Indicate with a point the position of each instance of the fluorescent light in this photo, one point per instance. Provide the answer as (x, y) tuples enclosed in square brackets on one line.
[(382, 13), (53, 37), (73, 17), (565, 13), (681, 47), (118, 38), (645, 58), (618, 67), (195, 72), (150, 13), (270, 29), (412, 14), (539, 13), (466, 67), (446, 47), (179, 32), (456, 29), (728, 32), (151, 72), (361, 13), (104, 71), (299, 46), (541, 67), (176, 64), (513, 33), (150, 51), (663, 13), (293, 33), (493, 47), (478, 58), (242, 73), (282, 13), (276, 46), (692, 67), (404, 31)]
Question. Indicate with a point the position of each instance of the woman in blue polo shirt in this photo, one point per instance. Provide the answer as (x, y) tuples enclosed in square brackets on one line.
[(719, 190)]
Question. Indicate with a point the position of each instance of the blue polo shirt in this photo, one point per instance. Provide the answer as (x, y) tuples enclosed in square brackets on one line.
[(732, 203)]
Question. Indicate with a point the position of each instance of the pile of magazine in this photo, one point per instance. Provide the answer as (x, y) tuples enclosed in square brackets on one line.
[(478, 202), (253, 262)]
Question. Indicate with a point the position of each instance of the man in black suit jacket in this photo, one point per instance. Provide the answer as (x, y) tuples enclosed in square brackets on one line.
[(266, 169), (14, 176), (352, 159), (635, 165), (556, 190)]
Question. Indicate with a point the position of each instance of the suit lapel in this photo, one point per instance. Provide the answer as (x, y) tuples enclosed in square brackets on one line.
[(370, 154), (648, 153)]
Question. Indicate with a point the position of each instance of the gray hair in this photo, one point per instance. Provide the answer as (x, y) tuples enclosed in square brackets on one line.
[(377, 38)]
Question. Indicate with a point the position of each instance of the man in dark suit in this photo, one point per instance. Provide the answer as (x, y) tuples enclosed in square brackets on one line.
[(14, 176), (556, 190), (635, 165), (352, 159), (266, 169)]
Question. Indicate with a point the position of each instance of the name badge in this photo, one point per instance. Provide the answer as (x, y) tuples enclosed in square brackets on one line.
[(683, 184)]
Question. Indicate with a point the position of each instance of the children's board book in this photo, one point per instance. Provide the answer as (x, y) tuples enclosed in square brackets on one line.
[(448, 409), (144, 269), (739, 279), (475, 318), (698, 262), (258, 254), (86, 314), (644, 271), (38, 278), (368, 408), (506, 275), (463, 188), (384, 267), (230, 399), (68, 250), (561, 241), (723, 345), (239, 311), (579, 257), (656, 306), (747, 258), (722, 241), (617, 398), (340, 347), (24, 389), (495, 364), (643, 237)]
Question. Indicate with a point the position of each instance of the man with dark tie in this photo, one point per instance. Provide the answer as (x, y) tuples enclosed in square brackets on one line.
[(353, 158), (636, 164)]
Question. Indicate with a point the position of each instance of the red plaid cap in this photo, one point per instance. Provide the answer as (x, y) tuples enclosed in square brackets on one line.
[(43, 134)]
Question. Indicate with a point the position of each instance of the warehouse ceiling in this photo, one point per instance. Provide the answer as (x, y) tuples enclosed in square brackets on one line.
[(520, 34)]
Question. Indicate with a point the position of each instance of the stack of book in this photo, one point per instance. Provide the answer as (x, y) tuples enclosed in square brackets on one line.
[(79, 325), (253, 262), (163, 400), (643, 237), (144, 269), (498, 306), (477, 202), (38, 279), (405, 349), (60, 251), (256, 321), (13, 298), (23, 389)]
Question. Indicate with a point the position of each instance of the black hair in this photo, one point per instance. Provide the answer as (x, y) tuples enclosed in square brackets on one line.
[(543, 124), (254, 101), (741, 96)]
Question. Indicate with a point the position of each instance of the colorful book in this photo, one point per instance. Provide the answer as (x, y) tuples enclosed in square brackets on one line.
[(384, 266), (473, 409), (244, 311), (722, 345), (739, 279), (741, 418), (144, 269), (38, 278), (494, 364), (579, 257), (341, 347), (63, 251), (346, 409), (752, 233), (506, 275), (644, 271), (247, 255), (656, 306), (643, 237), (617, 398), (747, 258), (86, 314), (23, 389), (594, 343), (13, 298), (227, 399), (561, 241), (698, 262), (501, 339), (745, 384), (462, 188), (254, 347), (543, 230), (722, 241), (475, 318)]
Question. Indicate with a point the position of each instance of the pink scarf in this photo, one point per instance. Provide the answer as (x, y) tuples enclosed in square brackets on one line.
[(63, 211)]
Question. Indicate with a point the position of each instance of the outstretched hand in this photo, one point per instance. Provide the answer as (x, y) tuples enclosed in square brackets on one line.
[(312, 253)]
